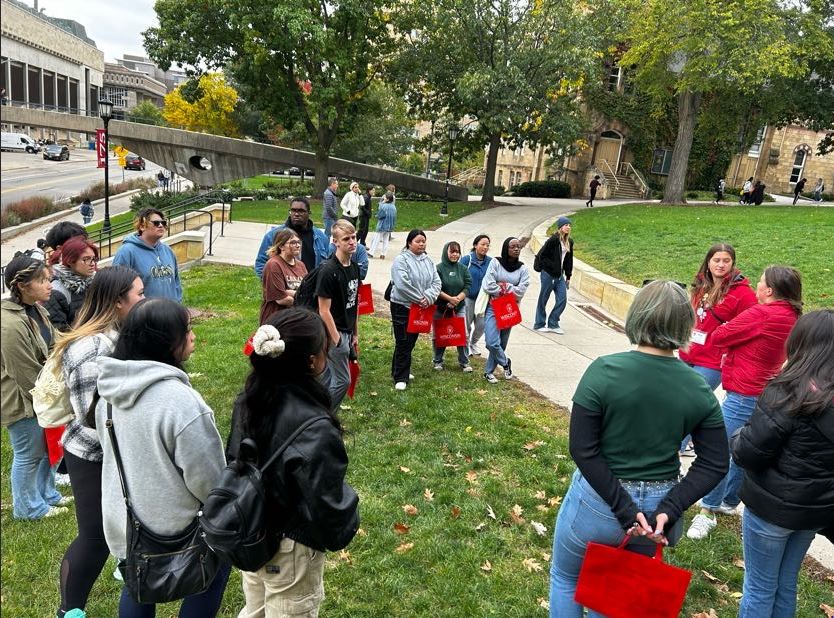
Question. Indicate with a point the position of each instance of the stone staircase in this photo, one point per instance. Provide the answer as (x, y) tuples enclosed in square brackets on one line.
[(627, 190)]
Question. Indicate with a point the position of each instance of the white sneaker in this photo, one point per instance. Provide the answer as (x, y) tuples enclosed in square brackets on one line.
[(467, 368), (558, 330), (438, 367), (64, 501), (701, 526), (62, 479), (410, 376), (475, 350), (726, 509), (491, 378), (117, 574), (56, 510), (542, 329), (400, 386)]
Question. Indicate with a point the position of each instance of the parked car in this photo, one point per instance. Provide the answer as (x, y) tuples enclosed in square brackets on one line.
[(134, 162), (19, 141), (56, 152), (294, 171)]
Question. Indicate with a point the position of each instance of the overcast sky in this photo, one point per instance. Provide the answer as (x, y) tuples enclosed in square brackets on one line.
[(115, 26)]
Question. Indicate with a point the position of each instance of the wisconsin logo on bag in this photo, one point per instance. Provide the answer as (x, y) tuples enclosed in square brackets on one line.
[(234, 516)]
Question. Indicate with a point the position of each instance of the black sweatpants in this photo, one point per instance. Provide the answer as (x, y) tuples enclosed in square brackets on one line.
[(403, 343)]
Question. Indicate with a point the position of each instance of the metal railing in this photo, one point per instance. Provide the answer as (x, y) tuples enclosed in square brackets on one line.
[(638, 178), (613, 174)]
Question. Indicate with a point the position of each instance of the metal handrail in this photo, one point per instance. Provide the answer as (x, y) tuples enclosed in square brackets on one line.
[(642, 181), (613, 174)]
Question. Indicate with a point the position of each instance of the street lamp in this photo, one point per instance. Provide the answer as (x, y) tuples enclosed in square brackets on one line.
[(105, 111), (453, 135)]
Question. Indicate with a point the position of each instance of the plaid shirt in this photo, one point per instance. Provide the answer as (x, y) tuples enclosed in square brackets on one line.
[(80, 375)]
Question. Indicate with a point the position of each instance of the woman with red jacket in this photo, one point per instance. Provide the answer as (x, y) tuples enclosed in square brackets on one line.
[(719, 293), (754, 347)]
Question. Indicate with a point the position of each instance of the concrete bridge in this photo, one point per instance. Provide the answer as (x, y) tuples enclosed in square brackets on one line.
[(229, 158)]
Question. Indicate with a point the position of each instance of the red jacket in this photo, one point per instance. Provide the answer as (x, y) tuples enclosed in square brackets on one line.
[(754, 343), (739, 297)]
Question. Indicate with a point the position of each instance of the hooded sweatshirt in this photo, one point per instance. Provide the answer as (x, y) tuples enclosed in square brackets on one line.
[(169, 444), (454, 277), (156, 265), (477, 269), (414, 278)]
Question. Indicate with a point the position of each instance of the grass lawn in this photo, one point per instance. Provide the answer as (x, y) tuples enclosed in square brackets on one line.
[(410, 215), (258, 182), (634, 242), (453, 447)]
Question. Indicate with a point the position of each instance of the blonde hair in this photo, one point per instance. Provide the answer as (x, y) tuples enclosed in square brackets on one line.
[(345, 226), (282, 237)]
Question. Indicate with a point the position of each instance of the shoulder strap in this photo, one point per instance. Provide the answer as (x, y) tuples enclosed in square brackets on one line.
[(289, 440), (112, 432)]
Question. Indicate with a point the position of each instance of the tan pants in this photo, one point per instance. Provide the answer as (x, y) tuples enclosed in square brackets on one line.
[(291, 584)]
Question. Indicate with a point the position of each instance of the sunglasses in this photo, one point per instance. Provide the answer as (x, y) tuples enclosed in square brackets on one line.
[(158, 222)]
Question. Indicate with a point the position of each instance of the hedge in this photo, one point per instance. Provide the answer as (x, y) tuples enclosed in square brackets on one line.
[(542, 188)]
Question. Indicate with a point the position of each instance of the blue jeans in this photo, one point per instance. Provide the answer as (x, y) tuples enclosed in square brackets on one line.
[(463, 350), (713, 379), (32, 478), (328, 223), (496, 341), (737, 410), (560, 291), (203, 605), (585, 517), (772, 557)]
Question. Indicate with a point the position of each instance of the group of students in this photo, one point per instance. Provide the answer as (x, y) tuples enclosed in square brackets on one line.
[(356, 206)]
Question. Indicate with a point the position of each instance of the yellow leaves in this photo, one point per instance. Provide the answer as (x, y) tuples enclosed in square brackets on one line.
[(540, 495), (738, 562), (404, 547), (428, 495), (405, 470), (515, 514), (210, 113), (531, 564), (405, 422), (486, 566), (543, 603), (710, 614), (472, 477), (533, 445), (344, 556), (409, 509), (829, 611)]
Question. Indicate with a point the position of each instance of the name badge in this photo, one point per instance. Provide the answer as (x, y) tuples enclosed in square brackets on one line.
[(698, 336)]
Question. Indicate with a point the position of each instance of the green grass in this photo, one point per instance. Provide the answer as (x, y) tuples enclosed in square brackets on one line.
[(474, 447), (634, 242), (410, 215), (258, 182)]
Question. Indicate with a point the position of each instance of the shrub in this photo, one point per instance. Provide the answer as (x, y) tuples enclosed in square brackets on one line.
[(29, 209), (826, 197), (692, 194), (498, 190), (158, 199), (542, 188), (96, 191)]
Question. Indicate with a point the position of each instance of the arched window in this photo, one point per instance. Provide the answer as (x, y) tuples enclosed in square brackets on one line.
[(800, 156)]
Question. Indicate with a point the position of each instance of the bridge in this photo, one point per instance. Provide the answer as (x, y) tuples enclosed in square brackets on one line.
[(230, 159)]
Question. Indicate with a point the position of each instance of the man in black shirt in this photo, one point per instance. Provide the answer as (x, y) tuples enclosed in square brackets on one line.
[(337, 290)]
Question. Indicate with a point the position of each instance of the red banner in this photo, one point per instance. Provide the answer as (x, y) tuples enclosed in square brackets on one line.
[(101, 150)]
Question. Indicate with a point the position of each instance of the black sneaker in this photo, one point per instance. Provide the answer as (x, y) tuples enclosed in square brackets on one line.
[(508, 370)]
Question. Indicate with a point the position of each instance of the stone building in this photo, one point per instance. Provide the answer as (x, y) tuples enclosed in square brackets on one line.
[(126, 88), (171, 78)]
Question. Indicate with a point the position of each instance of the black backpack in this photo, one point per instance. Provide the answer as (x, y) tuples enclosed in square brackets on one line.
[(305, 295), (234, 516)]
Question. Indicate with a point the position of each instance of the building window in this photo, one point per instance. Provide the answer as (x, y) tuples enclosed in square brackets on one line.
[(500, 177), (661, 161), (614, 77), (800, 156), (116, 95), (756, 146)]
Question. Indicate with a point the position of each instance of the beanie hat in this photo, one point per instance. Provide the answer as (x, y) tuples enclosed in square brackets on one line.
[(562, 221)]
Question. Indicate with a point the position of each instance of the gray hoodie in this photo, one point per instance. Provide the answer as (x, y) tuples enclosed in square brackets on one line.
[(170, 447), (414, 277)]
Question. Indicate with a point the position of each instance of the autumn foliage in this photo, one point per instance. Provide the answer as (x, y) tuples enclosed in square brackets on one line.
[(208, 108)]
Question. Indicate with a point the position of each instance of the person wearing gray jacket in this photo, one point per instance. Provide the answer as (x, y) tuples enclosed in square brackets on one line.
[(330, 204), (414, 281), (170, 448)]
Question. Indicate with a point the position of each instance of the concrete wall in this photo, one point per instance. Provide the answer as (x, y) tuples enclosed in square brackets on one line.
[(187, 246)]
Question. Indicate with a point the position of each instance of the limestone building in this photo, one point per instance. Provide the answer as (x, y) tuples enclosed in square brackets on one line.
[(126, 88)]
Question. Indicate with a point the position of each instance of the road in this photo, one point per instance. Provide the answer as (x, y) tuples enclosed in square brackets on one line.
[(27, 175)]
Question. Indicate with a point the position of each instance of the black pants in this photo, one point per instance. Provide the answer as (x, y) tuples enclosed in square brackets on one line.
[(403, 343), (87, 554), (590, 202), (362, 230)]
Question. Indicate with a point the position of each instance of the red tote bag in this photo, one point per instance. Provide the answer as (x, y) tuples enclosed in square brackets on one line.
[(623, 584), (507, 313), (419, 320), (450, 332), (366, 299), (52, 437)]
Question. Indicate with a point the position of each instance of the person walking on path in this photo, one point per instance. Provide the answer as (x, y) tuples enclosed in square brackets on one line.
[(87, 211), (365, 211), (337, 289), (109, 299), (330, 203), (314, 242), (593, 186), (787, 452), (386, 216), (630, 411), (746, 191), (719, 190), (414, 281), (819, 188), (505, 275), (757, 196), (798, 189), (311, 508), (70, 280), (754, 350), (26, 337), (554, 262), (282, 274), (455, 282), (477, 262), (145, 253), (351, 203)]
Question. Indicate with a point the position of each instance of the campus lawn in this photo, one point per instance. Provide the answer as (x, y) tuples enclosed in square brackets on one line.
[(410, 215), (634, 242), (451, 446)]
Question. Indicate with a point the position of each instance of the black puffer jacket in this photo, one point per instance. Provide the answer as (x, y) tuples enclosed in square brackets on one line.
[(309, 500), (788, 465), (549, 258), (64, 302)]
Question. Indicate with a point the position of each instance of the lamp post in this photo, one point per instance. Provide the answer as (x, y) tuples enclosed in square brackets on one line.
[(453, 135), (105, 111)]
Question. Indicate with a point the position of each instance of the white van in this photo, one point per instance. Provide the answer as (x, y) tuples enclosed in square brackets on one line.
[(19, 141)]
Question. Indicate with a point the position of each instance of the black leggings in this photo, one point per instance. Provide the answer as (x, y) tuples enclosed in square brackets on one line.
[(87, 554), (403, 343)]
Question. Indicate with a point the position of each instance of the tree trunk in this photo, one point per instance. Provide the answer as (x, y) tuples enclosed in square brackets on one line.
[(688, 104), (492, 161), (320, 181)]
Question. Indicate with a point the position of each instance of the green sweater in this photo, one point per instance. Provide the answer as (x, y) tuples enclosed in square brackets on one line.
[(454, 277), (23, 354)]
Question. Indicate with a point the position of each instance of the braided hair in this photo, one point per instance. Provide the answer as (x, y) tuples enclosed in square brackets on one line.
[(21, 270)]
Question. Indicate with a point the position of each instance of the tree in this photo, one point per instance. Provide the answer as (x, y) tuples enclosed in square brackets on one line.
[(302, 62), (146, 113), (512, 68), (697, 49), (206, 105)]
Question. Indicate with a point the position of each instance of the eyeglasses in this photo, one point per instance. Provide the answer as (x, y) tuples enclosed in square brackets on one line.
[(158, 222), (293, 242), (89, 260), (298, 210)]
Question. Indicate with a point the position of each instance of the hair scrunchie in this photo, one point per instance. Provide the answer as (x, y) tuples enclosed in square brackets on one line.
[(267, 341)]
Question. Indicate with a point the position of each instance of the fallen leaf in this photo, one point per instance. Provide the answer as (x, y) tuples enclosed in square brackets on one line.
[(710, 614), (736, 595), (532, 445), (455, 512), (543, 603), (738, 562), (473, 491), (468, 429), (482, 391), (546, 556), (480, 526), (344, 407), (490, 512), (373, 393), (405, 422), (410, 509), (400, 528), (560, 456), (829, 611), (361, 532), (428, 495), (344, 556), (486, 566), (531, 564), (540, 528), (709, 576), (540, 495), (196, 374), (401, 549), (404, 469), (555, 501), (493, 416), (515, 514), (543, 507), (472, 476)]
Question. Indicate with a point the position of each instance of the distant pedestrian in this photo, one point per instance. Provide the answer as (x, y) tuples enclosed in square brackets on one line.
[(746, 190), (593, 186), (819, 188), (365, 211), (87, 211), (797, 190), (393, 191), (330, 203), (757, 195), (477, 263), (719, 190), (386, 215), (555, 263), (160, 179), (351, 203)]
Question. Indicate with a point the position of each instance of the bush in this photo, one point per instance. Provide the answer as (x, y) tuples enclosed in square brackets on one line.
[(692, 194), (498, 190), (96, 191), (826, 197), (271, 190), (29, 209), (542, 188), (158, 199)]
